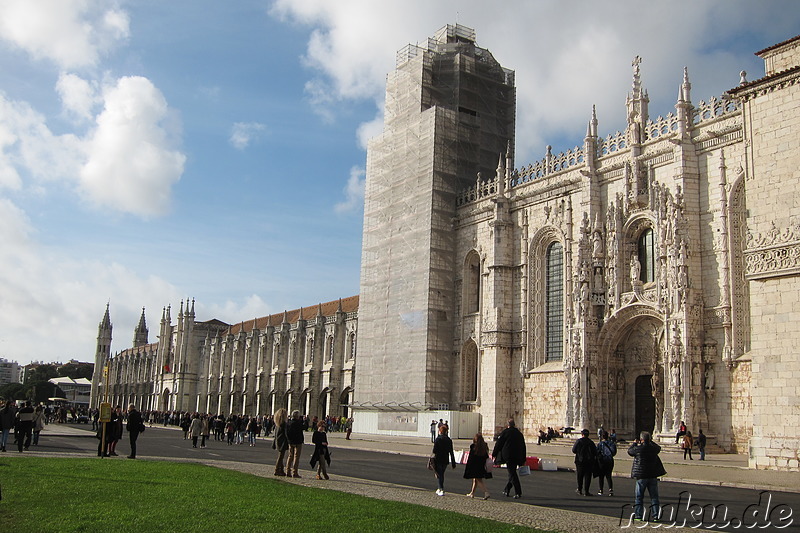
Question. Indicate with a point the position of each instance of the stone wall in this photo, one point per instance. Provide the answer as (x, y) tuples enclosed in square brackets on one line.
[(545, 399)]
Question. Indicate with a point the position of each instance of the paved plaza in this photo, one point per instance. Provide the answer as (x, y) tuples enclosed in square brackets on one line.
[(717, 471)]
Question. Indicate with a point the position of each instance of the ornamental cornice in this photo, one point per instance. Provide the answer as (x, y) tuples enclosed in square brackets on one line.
[(779, 260), (766, 85), (774, 236)]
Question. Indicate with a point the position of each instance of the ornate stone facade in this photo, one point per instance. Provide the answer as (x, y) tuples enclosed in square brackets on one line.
[(680, 240)]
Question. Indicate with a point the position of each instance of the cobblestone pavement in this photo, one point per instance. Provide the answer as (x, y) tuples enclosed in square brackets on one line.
[(725, 470)]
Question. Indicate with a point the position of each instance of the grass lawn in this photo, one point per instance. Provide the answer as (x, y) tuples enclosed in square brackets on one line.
[(61, 495)]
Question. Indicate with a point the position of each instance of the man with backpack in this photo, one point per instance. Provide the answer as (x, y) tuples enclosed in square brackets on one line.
[(585, 457), (606, 450)]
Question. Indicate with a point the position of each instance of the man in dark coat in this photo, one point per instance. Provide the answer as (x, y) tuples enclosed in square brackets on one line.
[(25, 424), (646, 470), (294, 434), (585, 457), (135, 426), (510, 449)]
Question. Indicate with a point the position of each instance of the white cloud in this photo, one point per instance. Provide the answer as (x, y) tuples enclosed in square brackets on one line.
[(50, 299), (566, 59), (125, 162), (78, 96), (29, 148), (368, 130), (233, 312), (131, 165), (243, 133), (71, 33), (353, 192)]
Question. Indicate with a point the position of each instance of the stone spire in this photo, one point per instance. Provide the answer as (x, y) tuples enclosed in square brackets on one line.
[(141, 333), (636, 103), (501, 176), (684, 104), (101, 357)]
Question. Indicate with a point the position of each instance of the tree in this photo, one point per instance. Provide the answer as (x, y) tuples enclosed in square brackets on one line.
[(76, 370), (13, 391), (38, 372)]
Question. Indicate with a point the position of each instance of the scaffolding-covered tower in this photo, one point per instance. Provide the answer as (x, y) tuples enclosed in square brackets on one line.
[(449, 115)]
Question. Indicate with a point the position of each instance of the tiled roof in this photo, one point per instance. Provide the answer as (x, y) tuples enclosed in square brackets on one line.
[(349, 305), (767, 49)]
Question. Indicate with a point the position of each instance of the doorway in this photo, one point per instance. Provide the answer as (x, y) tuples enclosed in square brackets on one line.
[(645, 411)]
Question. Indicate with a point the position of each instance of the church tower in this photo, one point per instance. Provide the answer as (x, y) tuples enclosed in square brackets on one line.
[(450, 111), (101, 356), (140, 334)]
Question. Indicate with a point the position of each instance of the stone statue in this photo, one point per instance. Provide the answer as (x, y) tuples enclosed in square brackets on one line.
[(636, 269), (657, 384), (576, 382), (597, 245), (598, 279), (710, 378), (675, 378)]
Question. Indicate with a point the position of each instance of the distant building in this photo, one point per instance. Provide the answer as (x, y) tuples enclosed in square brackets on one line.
[(76, 391), (300, 359), (10, 372)]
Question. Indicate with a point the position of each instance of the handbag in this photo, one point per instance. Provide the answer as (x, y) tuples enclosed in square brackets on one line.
[(432, 462), (524, 470), (489, 464)]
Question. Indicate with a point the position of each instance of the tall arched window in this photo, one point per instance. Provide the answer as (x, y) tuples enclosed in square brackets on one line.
[(646, 255), (351, 346), (554, 303), (469, 372), (472, 284), (309, 350)]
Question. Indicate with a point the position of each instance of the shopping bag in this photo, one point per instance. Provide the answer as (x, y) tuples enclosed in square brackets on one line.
[(524, 470), (464, 457), (431, 462)]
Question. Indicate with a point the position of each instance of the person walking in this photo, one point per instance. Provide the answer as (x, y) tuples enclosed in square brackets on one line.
[(114, 431), (280, 443), (294, 434), (205, 430), (134, 426), (510, 449), (585, 457), (606, 450), (687, 444), (195, 429), (38, 423), (25, 424), (701, 444), (476, 468), (433, 430), (321, 457), (442, 455), (252, 430), (8, 415), (646, 470)]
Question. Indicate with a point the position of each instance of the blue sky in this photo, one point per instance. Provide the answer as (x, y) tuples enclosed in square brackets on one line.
[(152, 151)]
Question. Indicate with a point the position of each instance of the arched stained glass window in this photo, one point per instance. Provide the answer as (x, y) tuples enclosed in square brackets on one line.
[(554, 303), (646, 255)]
